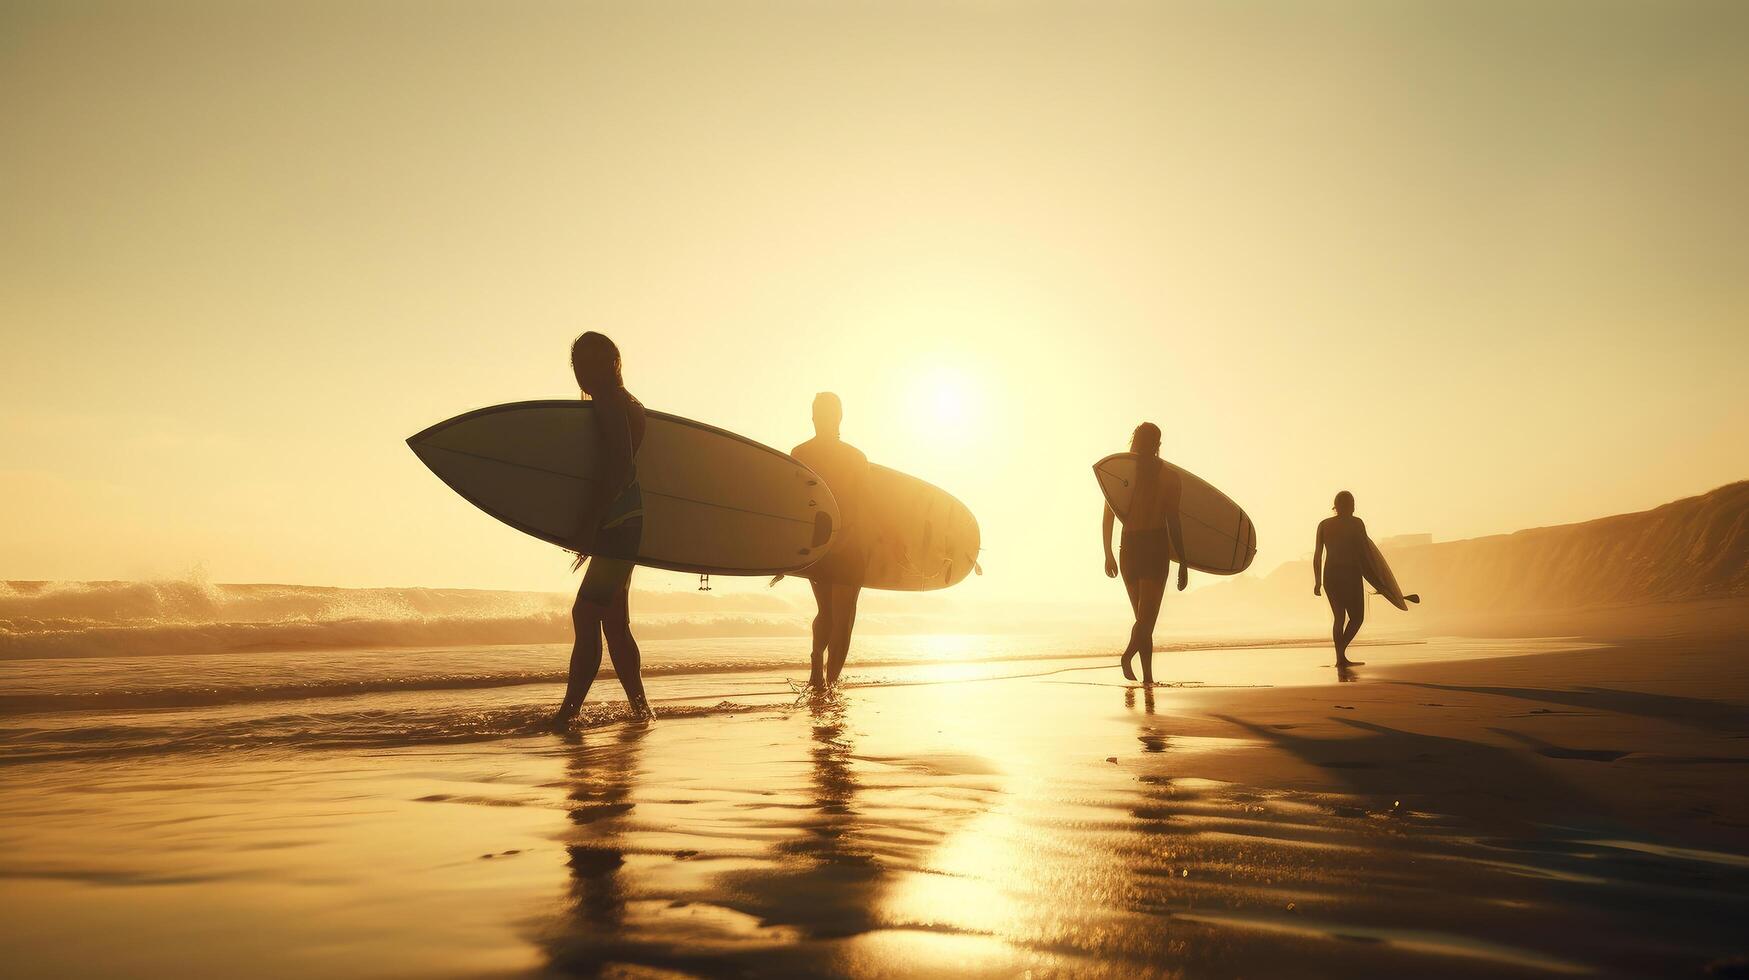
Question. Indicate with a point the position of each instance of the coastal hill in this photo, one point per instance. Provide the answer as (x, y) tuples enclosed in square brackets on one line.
[(1696, 548)]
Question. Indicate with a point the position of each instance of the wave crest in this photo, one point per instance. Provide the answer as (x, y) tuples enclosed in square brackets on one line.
[(127, 619)]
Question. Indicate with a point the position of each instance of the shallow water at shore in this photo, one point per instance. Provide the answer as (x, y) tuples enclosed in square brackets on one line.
[(993, 814), (93, 707)]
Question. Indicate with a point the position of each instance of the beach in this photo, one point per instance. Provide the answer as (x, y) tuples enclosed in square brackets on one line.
[(873, 380), (1564, 804)]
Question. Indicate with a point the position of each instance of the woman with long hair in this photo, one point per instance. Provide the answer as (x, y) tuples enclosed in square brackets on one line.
[(609, 533), (1151, 533)]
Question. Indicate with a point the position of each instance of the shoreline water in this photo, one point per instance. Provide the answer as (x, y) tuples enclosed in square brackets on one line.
[(84, 683), (91, 708), (1463, 807)]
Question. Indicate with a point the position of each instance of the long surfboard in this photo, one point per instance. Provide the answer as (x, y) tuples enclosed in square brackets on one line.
[(714, 502), (1378, 574), (917, 536), (1219, 537)]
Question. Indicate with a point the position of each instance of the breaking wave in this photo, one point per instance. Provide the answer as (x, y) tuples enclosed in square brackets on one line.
[(114, 619)]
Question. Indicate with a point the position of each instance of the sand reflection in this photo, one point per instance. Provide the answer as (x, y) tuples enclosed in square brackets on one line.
[(750, 861), (602, 799)]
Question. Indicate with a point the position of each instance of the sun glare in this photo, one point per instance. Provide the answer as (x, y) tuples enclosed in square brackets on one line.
[(945, 403)]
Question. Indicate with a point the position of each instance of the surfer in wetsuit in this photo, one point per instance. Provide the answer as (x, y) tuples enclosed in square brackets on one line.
[(1342, 546), (837, 579), (1145, 556), (609, 532)]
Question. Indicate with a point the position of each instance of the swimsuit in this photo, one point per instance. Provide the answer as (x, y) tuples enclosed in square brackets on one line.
[(1147, 552), (616, 546), (1342, 568)]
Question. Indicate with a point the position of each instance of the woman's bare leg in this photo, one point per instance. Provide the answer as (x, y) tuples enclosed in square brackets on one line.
[(1133, 586), (622, 648), (1142, 639), (585, 657)]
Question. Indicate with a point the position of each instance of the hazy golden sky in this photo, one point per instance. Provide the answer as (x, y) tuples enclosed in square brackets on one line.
[(1484, 264)]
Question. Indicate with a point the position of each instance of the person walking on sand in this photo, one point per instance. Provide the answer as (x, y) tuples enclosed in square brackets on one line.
[(608, 534), (1342, 547), (1151, 532), (837, 578)]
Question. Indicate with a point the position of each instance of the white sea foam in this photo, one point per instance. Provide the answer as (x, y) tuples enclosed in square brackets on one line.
[(107, 619)]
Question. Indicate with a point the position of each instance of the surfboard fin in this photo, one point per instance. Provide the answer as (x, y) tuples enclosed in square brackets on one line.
[(1416, 598)]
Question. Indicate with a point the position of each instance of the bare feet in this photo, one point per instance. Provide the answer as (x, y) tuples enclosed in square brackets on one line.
[(1343, 663), (1128, 674), (562, 718)]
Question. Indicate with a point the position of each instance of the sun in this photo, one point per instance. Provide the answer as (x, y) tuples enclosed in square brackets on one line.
[(945, 403), (950, 408)]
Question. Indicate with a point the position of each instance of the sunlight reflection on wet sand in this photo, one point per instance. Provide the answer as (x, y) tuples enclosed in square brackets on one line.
[(987, 827)]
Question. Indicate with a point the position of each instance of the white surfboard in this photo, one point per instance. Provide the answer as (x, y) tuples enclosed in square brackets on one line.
[(1218, 536), (1378, 574), (917, 536), (714, 502)]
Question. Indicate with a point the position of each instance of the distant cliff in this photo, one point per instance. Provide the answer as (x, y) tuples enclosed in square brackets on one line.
[(1694, 548)]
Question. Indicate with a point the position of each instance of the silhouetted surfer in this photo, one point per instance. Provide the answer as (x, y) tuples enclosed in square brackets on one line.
[(837, 578), (1149, 531), (1342, 546), (611, 529)]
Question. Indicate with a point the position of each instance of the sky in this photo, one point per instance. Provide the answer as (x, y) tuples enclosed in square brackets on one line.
[(1484, 264)]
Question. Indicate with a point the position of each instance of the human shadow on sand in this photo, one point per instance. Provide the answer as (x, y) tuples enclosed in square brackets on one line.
[(1397, 889), (1719, 717), (1490, 784)]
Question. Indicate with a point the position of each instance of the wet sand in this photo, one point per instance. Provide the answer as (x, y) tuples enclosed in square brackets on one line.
[(1576, 810)]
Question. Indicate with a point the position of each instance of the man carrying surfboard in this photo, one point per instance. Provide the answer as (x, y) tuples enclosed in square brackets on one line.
[(1152, 533), (1353, 562), (837, 579), (610, 530), (1340, 575)]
